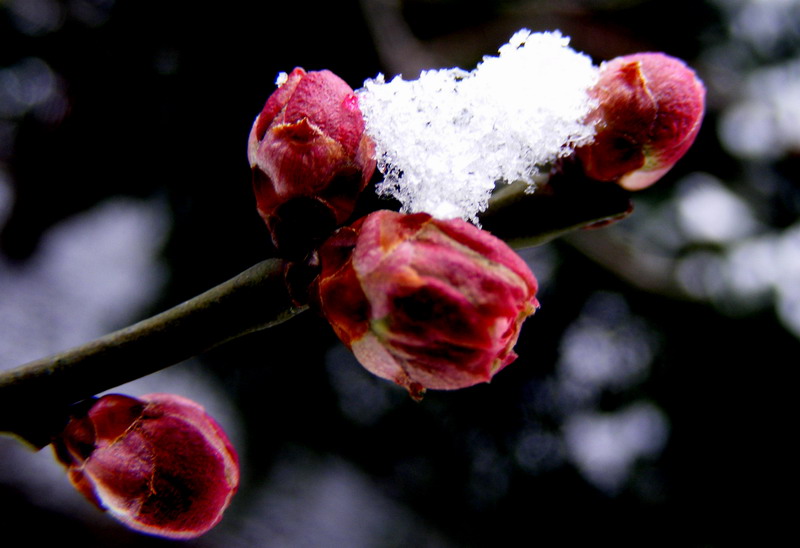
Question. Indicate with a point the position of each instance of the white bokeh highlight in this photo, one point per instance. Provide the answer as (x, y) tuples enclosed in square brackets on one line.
[(605, 446)]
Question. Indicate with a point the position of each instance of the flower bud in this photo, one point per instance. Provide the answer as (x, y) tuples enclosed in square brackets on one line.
[(650, 110), (426, 303), (310, 158), (159, 464)]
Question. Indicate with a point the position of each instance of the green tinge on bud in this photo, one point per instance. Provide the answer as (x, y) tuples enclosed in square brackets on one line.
[(426, 303), (650, 108), (310, 159), (158, 464)]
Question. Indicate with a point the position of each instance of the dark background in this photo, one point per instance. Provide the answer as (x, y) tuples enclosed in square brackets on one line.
[(649, 403)]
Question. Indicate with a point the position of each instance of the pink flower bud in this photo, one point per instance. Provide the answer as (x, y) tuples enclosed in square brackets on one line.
[(159, 464), (650, 110), (424, 302), (310, 158)]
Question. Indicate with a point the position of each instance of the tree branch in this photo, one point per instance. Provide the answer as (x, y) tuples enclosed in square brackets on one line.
[(35, 397), (560, 204)]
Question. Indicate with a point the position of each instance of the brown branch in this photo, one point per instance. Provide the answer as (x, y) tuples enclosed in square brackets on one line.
[(560, 204), (34, 397)]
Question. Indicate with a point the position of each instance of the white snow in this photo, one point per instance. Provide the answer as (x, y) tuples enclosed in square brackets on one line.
[(445, 139)]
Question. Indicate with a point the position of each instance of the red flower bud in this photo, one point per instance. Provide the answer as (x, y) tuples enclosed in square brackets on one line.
[(650, 109), (159, 464), (424, 302), (310, 158)]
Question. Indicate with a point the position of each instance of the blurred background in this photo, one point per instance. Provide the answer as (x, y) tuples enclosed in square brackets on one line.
[(649, 405)]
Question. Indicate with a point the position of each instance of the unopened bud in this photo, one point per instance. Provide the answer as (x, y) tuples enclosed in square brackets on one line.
[(158, 464), (650, 109), (310, 159), (426, 303)]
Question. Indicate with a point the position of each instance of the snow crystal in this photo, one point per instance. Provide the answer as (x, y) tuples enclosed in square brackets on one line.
[(444, 140)]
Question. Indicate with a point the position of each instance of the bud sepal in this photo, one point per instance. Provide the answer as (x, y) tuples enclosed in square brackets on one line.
[(310, 158), (424, 302), (650, 109), (158, 464)]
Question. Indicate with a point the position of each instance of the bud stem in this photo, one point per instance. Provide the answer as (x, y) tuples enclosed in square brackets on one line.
[(34, 397)]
